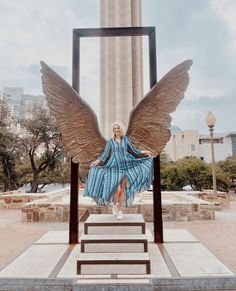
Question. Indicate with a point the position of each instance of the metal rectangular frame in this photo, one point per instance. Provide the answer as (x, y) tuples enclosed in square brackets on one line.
[(115, 32)]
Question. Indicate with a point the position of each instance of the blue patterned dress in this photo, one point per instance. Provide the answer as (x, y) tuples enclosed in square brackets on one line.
[(119, 160)]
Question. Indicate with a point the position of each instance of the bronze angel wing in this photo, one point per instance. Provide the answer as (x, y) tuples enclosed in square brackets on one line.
[(150, 120), (76, 119)]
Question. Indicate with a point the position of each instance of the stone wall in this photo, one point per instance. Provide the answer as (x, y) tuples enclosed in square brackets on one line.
[(176, 207), (16, 199), (223, 198), (54, 206)]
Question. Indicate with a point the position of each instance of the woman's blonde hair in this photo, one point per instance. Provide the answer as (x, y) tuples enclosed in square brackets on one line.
[(122, 128)]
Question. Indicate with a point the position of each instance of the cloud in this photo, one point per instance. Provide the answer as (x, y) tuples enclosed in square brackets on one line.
[(202, 30), (191, 113), (34, 31), (192, 29), (205, 32), (225, 10)]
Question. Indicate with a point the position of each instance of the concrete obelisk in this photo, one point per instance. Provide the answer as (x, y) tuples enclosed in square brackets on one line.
[(121, 83)]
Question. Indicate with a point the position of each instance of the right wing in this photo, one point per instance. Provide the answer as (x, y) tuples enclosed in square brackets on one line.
[(150, 120), (76, 119)]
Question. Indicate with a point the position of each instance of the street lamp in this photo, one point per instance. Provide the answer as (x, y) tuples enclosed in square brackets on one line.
[(210, 121)]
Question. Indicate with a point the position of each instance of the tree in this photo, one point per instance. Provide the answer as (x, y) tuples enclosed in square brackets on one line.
[(23, 171), (226, 172), (196, 172), (222, 180), (188, 171), (1, 178), (171, 177), (8, 150), (41, 142), (59, 175)]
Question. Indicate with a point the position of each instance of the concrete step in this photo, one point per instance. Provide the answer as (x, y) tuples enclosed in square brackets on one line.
[(107, 223), (113, 263), (93, 243)]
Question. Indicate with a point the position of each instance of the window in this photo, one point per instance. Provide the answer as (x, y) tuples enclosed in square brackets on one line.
[(215, 140), (233, 138)]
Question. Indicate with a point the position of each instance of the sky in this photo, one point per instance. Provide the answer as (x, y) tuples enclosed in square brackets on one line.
[(202, 30)]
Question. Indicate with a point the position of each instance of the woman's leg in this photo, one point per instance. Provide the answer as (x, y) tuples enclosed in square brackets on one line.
[(122, 191), (116, 200), (116, 195), (121, 195)]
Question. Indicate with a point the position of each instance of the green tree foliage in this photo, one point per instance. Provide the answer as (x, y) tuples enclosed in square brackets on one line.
[(42, 144), (59, 175), (226, 173), (188, 171), (1, 178), (222, 180), (171, 178), (23, 171), (196, 173), (35, 156), (8, 151), (229, 167)]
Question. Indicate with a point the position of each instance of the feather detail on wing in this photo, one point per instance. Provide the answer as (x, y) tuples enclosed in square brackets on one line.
[(150, 120), (76, 119)]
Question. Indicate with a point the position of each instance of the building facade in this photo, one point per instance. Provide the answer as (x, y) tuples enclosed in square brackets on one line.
[(121, 83), (182, 144), (190, 143), (224, 146)]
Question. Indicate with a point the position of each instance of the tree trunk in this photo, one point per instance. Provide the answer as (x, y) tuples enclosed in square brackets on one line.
[(8, 169), (35, 183), (9, 186)]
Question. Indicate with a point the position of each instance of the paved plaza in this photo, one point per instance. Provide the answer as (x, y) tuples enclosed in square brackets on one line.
[(217, 236)]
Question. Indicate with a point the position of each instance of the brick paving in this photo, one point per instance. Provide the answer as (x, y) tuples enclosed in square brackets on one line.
[(16, 236), (218, 236)]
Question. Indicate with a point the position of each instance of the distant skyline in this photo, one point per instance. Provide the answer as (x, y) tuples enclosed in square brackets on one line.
[(202, 30)]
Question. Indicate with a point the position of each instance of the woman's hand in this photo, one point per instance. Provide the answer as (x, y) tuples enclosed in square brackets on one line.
[(146, 154), (95, 163)]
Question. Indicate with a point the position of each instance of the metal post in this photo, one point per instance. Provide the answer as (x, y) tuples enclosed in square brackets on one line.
[(73, 226), (157, 209), (211, 129), (74, 197)]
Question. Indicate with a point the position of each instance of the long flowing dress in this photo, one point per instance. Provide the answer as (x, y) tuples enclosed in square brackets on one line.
[(119, 160)]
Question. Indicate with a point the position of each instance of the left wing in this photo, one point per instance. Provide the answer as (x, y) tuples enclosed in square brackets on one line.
[(76, 119)]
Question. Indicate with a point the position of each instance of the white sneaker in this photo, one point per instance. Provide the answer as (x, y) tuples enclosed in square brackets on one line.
[(119, 215), (115, 209)]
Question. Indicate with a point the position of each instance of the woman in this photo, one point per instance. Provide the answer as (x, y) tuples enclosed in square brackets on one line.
[(121, 171)]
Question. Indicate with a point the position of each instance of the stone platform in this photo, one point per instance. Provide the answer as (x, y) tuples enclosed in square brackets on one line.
[(180, 263), (176, 206)]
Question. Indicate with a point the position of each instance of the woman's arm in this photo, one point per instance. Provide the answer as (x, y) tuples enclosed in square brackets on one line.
[(135, 151), (102, 158), (146, 154), (132, 149)]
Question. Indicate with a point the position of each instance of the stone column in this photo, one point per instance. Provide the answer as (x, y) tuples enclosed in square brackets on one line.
[(121, 81)]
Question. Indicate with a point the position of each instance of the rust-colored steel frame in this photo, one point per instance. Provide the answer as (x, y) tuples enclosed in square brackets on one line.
[(114, 32)]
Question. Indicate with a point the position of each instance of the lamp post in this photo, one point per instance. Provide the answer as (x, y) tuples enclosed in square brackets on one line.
[(210, 121)]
